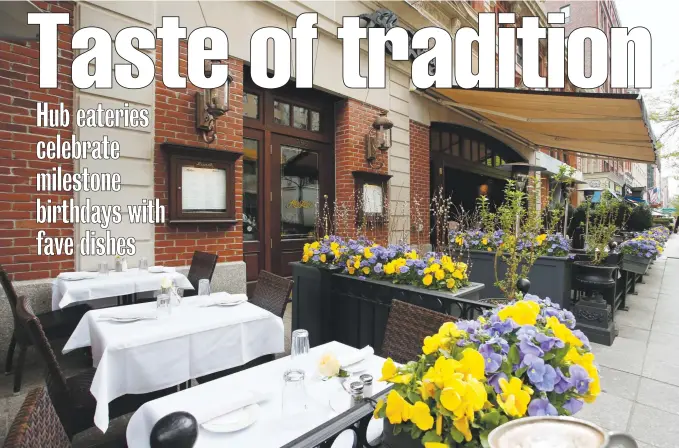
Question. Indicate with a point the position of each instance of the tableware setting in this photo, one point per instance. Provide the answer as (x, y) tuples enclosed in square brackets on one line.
[(126, 315), (219, 299), (236, 415), (158, 269), (75, 276)]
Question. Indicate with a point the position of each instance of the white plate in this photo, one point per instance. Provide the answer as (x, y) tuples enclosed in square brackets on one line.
[(234, 421), (156, 269), (74, 276)]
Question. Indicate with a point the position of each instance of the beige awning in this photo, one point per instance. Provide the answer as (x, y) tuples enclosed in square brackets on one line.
[(605, 125)]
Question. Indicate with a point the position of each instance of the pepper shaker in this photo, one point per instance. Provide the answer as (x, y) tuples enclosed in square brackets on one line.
[(356, 391), (367, 381)]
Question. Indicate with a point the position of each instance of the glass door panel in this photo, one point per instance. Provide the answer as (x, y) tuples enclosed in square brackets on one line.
[(250, 189), (299, 192)]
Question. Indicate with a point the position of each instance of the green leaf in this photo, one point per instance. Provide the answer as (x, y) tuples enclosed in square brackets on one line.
[(492, 418), (484, 439), (458, 437), (430, 436), (521, 371), (398, 429), (413, 397), (561, 353), (343, 374), (513, 356)]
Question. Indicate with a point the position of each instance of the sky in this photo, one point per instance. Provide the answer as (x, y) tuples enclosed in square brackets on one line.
[(660, 18)]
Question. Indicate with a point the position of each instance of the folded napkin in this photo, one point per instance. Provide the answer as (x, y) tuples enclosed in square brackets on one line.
[(354, 357), (130, 313), (77, 275), (218, 298), (216, 408)]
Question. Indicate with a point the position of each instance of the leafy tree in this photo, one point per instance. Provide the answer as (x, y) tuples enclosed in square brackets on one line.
[(666, 112)]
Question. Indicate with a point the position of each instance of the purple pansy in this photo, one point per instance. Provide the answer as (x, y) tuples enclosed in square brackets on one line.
[(579, 378), (573, 405), (540, 407), (543, 376), (493, 360)]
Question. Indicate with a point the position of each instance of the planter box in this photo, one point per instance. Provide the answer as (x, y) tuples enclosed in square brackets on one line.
[(638, 265), (311, 301), (549, 276), (360, 308)]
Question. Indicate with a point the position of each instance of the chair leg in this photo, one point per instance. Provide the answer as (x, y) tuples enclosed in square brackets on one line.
[(10, 355), (20, 368)]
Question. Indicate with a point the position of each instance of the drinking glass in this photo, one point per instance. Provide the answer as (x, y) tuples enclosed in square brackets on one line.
[(143, 264), (294, 392), (103, 268), (203, 287), (299, 345), (164, 304)]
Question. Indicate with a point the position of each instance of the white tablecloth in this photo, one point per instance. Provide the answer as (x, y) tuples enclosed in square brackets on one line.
[(132, 281), (271, 429), (149, 355)]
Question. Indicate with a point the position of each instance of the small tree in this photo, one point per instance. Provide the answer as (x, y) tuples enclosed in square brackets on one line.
[(602, 226)]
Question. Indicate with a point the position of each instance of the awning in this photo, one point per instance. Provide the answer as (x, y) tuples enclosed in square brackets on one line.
[(605, 125)]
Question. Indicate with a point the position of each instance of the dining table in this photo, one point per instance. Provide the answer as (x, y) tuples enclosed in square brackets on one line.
[(271, 427), (75, 287), (136, 349)]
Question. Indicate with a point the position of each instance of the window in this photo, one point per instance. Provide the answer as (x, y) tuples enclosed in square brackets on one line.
[(201, 184), (566, 10), (251, 105), (302, 117)]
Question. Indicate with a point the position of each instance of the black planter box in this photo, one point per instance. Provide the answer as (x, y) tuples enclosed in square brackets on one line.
[(549, 276), (311, 301), (638, 265), (354, 311)]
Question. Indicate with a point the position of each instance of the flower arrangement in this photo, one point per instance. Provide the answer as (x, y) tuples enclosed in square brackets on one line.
[(556, 245), (325, 252), (522, 359), (476, 240), (641, 246), (398, 263), (659, 233)]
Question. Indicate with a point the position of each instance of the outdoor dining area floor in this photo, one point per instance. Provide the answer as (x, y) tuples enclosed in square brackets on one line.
[(639, 372)]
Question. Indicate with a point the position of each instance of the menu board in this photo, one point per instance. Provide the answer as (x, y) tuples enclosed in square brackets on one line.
[(372, 199), (203, 190)]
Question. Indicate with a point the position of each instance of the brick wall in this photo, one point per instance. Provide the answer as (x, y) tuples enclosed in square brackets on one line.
[(175, 123), (353, 119), (19, 165), (419, 183)]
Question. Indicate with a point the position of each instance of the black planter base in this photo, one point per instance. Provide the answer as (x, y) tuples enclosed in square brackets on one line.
[(594, 317)]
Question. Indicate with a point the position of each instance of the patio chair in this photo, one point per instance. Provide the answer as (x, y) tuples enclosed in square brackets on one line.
[(202, 266), (56, 325), (71, 397), (407, 326), (271, 293), (37, 424)]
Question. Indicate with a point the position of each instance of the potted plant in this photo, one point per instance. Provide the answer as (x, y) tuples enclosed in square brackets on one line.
[(601, 227), (638, 253), (523, 359)]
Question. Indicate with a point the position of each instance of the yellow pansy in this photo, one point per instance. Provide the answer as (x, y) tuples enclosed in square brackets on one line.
[(462, 425), (322, 258), (484, 241), (439, 425), (458, 275), (563, 332), (523, 312), (389, 269), (398, 410), (366, 270), (446, 259), (450, 283), (357, 262), (426, 270), (459, 241), (489, 249), (367, 253), (450, 267), (461, 266), (315, 245), (435, 445), (541, 238), (440, 275), (594, 386), (390, 373), (451, 399), (305, 258), (431, 344), (420, 414), (472, 363), (515, 397), (378, 407), (434, 267), (449, 330), (412, 254), (427, 279), (442, 374), (351, 270), (334, 246)]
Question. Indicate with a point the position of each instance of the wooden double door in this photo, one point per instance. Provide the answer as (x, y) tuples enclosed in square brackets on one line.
[(288, 174)]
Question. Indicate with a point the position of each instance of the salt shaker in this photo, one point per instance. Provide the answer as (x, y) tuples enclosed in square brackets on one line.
[(356, 391), (119, 265), (367, 381)]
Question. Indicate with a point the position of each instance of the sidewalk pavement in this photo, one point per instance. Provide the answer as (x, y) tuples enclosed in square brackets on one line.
[(640, 371)]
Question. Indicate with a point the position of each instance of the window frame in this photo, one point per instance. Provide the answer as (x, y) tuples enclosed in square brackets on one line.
[(567, 16), (180, 156)]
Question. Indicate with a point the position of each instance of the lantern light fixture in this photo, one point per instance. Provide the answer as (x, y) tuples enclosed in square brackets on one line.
[(211, 104), (378, 138)]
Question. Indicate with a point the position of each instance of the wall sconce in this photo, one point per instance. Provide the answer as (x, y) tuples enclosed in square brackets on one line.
[(378, 138), (210, 105), (520, 172)]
